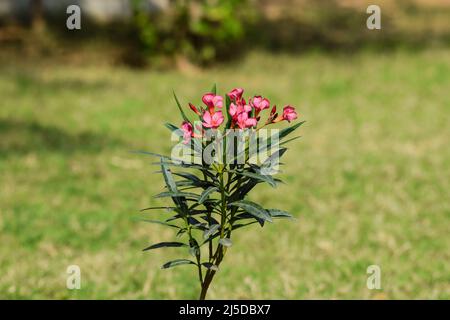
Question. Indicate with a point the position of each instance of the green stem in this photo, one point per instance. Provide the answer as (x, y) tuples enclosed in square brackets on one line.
[(217, 257)]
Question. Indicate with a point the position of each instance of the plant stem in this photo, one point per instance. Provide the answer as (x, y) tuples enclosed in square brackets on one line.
[(217, 258), (206, 283)]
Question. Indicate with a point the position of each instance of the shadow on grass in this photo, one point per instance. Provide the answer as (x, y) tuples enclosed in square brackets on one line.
[(18, 137), (28, 81), (330, 26)]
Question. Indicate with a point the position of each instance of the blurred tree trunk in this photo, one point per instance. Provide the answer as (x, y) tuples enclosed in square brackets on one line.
[(37, 15)]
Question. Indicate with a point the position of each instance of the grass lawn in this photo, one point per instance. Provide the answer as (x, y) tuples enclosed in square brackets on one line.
[(369, 181)]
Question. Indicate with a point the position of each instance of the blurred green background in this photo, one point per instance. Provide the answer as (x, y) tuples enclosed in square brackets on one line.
[(368, 181)]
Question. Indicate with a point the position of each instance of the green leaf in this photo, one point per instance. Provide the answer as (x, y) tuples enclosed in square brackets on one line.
[(196, 181), (277, 154), (178, 216), (172, 186), (158, 208), (210, 220), (181, 232), (210, 231), (153, 154), (205, 194), (195, 223), (258, 176), (174, 128), (240, 193), (170, 182), (246, 215), (185, 118), (276, 213), (187, 175), (289, 140), (165, 245), (214, 89), (160, 222), (241, 225), (226, 242), (176, 262), (253, 208), (279, 136), (286, 131), (177, 194)]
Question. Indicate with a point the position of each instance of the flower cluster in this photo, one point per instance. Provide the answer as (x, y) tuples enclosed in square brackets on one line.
[(243, 115)]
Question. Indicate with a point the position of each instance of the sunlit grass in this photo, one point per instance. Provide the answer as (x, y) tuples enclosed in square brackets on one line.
[(368, 181)]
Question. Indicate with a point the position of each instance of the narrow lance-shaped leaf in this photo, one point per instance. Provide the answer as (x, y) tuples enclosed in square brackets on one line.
[(276, 156), (241, 225), (185, 118), (277, 213), (240, 193), (267, 143), (160, 222), (246, 215), (165, 245), (289, 140), (152, 154), (205, 194), (170, 182), (261, 177), (174, 128), (177, 194), (211, 231), (176, 262), (286, 131), (158, 208), (253, 208), (171, 185)]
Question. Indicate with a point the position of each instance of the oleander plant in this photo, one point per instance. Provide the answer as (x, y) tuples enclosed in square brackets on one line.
[(219, 158)]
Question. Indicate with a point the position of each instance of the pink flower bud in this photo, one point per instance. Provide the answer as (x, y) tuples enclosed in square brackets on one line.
[(193, 108)]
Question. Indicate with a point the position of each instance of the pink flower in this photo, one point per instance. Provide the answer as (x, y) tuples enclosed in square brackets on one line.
[(187, 131), (212, 101), (289, 113), (212, 121), (239, 108), (259, 103), (236, 94), (243, 121)]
